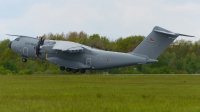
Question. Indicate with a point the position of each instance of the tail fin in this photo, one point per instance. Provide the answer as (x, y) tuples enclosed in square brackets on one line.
[(156, 42)]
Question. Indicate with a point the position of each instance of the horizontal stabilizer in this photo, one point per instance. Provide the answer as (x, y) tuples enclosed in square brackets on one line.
[(164, 32), (171, 33), (151, 61), (185, 35)]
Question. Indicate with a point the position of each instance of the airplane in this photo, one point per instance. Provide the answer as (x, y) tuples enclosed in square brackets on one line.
[(75, 57)]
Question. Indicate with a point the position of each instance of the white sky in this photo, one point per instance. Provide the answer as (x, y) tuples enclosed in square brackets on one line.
[(110, 18)]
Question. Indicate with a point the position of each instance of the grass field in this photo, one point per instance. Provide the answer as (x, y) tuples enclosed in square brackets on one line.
[(100, 93)]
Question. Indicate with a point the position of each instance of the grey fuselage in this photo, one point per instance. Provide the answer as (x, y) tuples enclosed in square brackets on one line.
[(90, 58)]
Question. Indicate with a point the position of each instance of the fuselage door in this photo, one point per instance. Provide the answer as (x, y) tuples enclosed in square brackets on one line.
[(88, 61), (25, 51)]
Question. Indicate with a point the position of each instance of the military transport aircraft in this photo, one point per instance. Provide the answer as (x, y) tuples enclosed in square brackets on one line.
[(71, 56)]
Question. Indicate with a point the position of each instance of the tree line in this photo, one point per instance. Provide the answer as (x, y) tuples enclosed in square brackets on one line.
[(181, 57)]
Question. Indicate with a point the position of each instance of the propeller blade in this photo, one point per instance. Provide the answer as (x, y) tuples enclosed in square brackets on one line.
[(37, 48), (19, 36), (42, 41)]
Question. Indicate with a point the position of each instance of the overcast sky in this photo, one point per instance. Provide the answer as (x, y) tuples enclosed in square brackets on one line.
[(110, 18)]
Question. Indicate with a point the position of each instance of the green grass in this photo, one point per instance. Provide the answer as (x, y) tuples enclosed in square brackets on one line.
[(100, 93)]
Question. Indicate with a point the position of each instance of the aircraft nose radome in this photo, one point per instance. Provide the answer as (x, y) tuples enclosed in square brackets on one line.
[(9, 45)]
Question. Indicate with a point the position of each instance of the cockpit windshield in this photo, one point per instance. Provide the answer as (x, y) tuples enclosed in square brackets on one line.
[(17, 39)]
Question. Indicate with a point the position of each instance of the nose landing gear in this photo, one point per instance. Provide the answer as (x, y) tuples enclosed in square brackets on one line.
[(75, 70), (24, 60)]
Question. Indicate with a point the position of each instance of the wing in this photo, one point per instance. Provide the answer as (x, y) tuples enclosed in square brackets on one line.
[(70, 47)]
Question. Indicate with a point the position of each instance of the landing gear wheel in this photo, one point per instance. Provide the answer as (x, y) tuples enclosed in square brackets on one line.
[(62, 68), (74, 70), (68, 69), (24, 60), (82, 71)]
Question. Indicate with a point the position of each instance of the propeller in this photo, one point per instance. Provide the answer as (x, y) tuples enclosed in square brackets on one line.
[(37, 47)]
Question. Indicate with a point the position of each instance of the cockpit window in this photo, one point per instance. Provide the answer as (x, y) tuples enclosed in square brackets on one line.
[(17, 39)]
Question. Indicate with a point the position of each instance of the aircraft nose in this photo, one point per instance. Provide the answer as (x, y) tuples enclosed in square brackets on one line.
[(9, 45)]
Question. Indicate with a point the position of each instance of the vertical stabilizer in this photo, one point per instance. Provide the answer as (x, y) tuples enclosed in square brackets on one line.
[(155, 43)]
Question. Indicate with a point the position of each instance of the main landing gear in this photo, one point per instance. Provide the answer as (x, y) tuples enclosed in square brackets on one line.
[(62, 68), (83, 71)]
